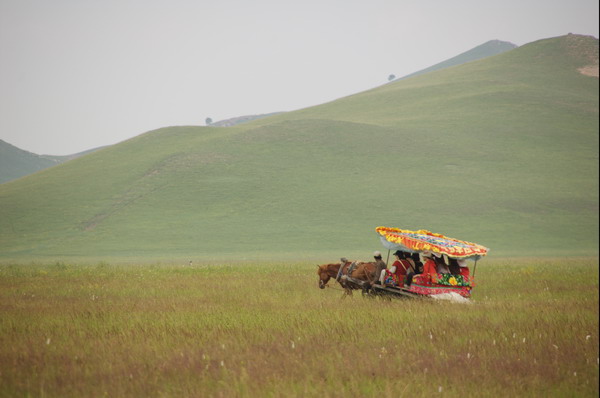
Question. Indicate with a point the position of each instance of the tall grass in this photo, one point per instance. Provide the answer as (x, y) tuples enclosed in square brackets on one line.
[(267, 330)]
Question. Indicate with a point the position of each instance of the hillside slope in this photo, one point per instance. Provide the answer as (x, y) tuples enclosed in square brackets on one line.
[(21, 163), (487, 49), (501, 151), (16, 163)]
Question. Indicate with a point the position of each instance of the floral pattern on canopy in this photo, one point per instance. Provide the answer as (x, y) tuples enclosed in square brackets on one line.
[(423, 240)]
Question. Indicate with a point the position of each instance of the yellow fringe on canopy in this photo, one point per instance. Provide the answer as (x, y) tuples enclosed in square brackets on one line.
[(462, 249)]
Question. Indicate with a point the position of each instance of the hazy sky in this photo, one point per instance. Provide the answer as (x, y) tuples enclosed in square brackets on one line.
[(77, 74)]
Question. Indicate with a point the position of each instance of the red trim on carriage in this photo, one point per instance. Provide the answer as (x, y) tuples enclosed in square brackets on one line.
[(424, 285)]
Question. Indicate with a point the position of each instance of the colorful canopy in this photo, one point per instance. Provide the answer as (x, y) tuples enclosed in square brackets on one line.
[(423, 240)]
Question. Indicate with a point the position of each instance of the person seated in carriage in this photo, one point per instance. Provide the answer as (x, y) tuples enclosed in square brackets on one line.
[(380, 268), (464, 269), (453, 266), (434, 265), (416, 259), (440, 265), (396, 275), (417, 267), (429, 266)]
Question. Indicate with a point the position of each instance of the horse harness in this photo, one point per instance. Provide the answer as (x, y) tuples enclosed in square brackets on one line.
[(353, 265)]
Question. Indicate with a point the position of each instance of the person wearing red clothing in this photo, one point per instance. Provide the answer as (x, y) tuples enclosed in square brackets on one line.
[(464, 269), (429, 267), (402, 268), (399, 268)]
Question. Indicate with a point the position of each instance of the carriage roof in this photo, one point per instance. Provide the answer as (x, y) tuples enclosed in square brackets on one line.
[(426, 241)]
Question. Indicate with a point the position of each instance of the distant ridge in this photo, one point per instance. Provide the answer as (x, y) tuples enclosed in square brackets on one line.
[(64, 158), (241, 119), (487, 49), (16, 162)]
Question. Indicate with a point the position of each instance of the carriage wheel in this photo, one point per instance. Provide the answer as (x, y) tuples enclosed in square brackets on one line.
[(369, 293)]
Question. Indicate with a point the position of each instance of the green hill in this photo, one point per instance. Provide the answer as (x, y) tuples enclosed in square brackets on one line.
[(502, 151), (487, 49), (16, 163)]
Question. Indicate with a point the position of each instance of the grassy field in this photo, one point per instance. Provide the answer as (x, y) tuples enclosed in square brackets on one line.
[(247, 330)]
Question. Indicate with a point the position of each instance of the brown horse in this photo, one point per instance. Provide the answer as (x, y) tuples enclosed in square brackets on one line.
[(360, 278)]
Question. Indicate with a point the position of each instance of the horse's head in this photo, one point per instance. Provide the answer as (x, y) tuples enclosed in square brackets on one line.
[(326, 272), (323, 275)]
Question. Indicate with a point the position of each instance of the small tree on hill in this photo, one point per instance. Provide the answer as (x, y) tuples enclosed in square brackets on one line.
[(208, 121), (391, 77)]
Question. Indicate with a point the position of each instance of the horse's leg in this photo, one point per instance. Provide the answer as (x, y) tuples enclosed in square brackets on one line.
[(366, 276)]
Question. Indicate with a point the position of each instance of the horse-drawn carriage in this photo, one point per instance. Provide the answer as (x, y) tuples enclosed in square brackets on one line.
[(360, 275)]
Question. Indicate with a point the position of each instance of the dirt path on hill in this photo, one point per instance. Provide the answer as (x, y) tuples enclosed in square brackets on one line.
[(589, 70)]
